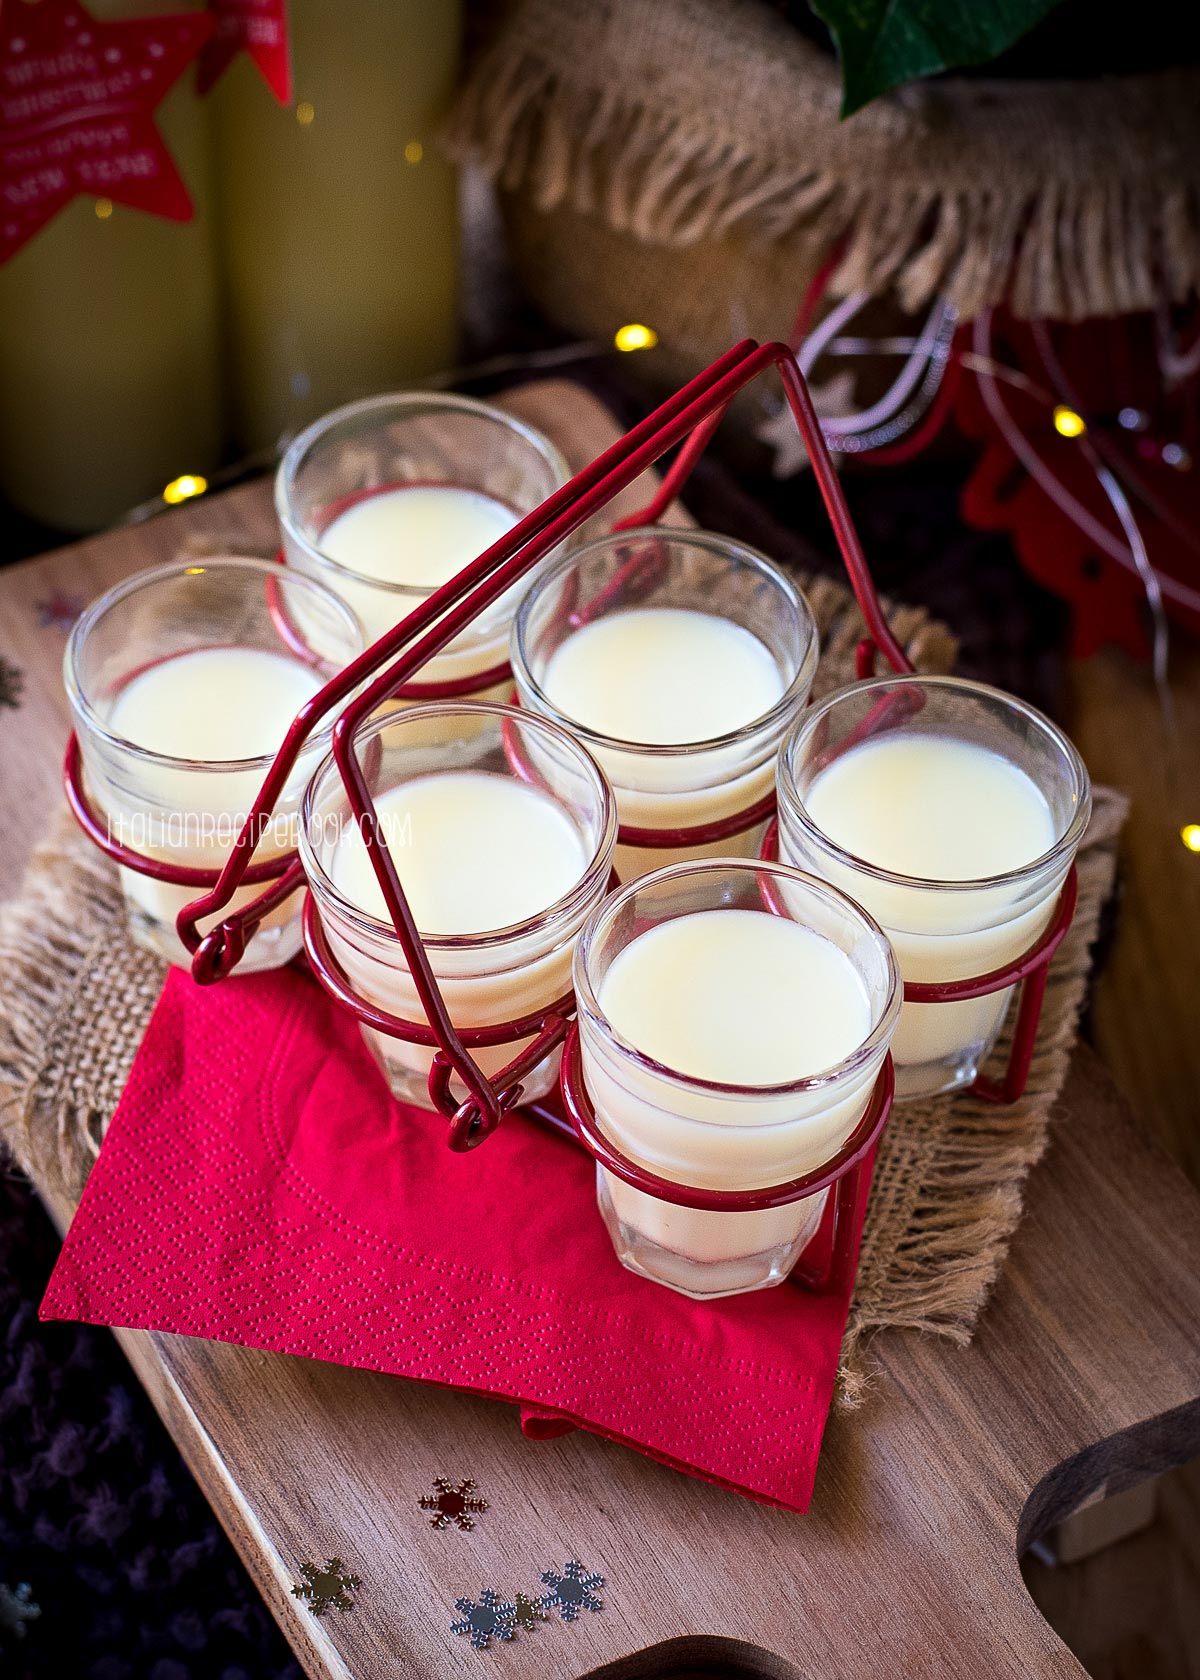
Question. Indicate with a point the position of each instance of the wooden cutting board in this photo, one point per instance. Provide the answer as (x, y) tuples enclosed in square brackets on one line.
[(1085, 1374)]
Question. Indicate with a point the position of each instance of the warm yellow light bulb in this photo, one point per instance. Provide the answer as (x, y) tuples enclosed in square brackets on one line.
[(181, 489), (635, 336), (414, 152), (1067, 423), (305, 113), (104, 208), (1190, 835)]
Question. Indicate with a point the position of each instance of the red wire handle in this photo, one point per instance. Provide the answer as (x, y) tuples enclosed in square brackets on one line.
[(442, 615)]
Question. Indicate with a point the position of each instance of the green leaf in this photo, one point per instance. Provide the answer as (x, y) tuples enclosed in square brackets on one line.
[(883, 43)]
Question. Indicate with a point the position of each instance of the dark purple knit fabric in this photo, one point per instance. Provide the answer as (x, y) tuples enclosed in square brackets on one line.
[(98, 1514)]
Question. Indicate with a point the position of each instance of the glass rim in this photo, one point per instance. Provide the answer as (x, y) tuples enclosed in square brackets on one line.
[(297, 450), (716, 542), (791, 807), (96, 726), (322, 883), (588, 1004)]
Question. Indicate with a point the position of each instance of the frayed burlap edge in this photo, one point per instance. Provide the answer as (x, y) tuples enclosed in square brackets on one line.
[(75, 997), (949, 1179), (679, 121)]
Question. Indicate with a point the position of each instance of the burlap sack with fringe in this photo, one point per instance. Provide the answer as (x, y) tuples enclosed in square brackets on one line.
[(76, 995), (683, 162)]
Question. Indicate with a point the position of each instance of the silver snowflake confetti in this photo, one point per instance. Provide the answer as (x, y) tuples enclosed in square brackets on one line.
[(529, 1613), (328, 1588), (452, 1503), (492, 1618), (17, 1608), (572, 1591)]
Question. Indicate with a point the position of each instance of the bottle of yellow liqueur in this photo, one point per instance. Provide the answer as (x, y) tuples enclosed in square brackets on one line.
[(109, 340), (339, 221)]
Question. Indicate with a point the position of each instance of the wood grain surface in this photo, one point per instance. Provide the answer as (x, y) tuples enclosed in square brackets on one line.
[(1147, 999), (1085, 1373)]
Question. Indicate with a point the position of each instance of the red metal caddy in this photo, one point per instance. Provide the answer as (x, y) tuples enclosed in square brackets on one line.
[(688, 418)]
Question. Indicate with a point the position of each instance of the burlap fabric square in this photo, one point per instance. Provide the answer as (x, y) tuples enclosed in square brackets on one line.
[(76, 994)]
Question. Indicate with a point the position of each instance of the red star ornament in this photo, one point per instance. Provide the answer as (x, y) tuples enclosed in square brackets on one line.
[(76, 97), (258, 27)]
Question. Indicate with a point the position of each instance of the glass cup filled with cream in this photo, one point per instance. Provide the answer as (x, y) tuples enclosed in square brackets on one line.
[(501, 828), (952, 812), (387, 499), (679, 658), (733, 1020), (183, 682)]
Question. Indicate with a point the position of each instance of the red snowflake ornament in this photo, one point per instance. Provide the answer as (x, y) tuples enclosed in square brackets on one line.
[(76, 97), (451, 1504), (258, 27)]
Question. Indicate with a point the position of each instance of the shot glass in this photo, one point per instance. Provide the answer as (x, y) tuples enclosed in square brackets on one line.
[(742, 639), (183, 681), (689, 1128), (1015, 787), (499, 824), (386, 499)]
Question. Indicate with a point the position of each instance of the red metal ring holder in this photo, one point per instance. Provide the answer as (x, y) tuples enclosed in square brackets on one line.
[(688, 418), (847, 1172), (1029, 971)]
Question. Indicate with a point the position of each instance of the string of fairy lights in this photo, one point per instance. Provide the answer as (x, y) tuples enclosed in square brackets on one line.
[(927, 356)]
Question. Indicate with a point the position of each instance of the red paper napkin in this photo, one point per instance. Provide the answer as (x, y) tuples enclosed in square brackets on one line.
[(259, 1185)]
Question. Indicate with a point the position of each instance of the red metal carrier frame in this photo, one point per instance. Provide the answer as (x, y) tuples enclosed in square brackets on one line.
[(688, 418)]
